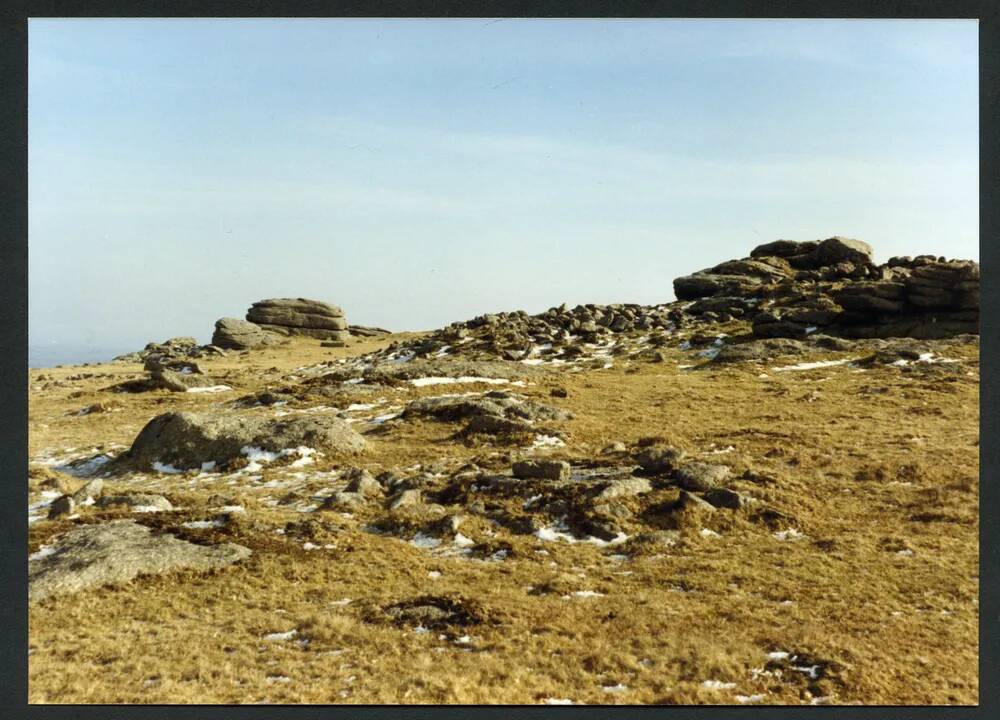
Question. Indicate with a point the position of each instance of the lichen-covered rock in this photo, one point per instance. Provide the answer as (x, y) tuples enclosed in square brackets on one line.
[(115, 553)]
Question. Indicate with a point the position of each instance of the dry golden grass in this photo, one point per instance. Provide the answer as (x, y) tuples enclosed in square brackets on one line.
[(867, 464)]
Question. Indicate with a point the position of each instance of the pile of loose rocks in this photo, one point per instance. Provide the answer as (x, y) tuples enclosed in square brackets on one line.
[(515, 335)]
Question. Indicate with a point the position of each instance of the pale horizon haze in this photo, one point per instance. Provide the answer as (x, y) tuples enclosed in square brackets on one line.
[(419, 172)]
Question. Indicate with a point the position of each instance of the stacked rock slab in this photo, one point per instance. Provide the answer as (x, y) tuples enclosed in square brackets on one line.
[(790, 289), (299, 316)]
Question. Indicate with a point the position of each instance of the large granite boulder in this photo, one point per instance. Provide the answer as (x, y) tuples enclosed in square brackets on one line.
[(235, 334), (184, 441), (300, 316)]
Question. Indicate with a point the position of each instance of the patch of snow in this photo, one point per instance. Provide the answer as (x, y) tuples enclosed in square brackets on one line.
[(281, 636), (424, 381), (309, 546), (424, 541), (208, 466), (209, 389), (166, 469), (203, 524), (146, 509), (614, 688), (557, 701), (43, 552), (434, 574), (777, 655), (705, 532), (749, 699), (586, 594), (790, 534), (547, 441), (718, 685), (812, 365), (462, 541)]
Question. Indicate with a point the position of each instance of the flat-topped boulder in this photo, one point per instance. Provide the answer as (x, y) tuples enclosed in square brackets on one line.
[(116, 553), (299, 316)]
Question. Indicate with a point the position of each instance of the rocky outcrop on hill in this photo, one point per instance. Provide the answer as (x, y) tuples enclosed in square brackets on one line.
[(299, 316), (235, 334), (790, 289)]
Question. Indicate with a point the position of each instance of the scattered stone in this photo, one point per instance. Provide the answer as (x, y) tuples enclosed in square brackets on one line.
[(659, 458), (625, 487), (701, 476), (725, 498), (63, 505), (149, 503), (541, 469)]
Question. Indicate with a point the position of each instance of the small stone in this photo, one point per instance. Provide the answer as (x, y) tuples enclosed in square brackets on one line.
[(405, 498), (702, 476), (659, 458), (625, 487), (726, 498), (91, 490), (541, 469), (618, 447), (63, 505), (362, 482)]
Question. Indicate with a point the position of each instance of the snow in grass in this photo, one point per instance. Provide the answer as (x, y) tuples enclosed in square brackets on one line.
[(718, 685), (340, 603), (203, 524), (434, 574), (585, 594), (614, 688), (557, 701), (559, 531), (84, 468), (146, 509), (547, 441), (209, 389), (750, 699), (706, 533), (281, 636), (777, 655), (424, 541), (271, 679), (462, 541), (379, 419), (166, 469), (425, 381), (811, 365), (721, 451), (208, 466), (232, 509), (43, 552), (790, 534), (361, 406)]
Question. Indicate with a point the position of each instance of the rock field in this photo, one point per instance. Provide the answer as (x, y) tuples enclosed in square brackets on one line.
[(763, 492)]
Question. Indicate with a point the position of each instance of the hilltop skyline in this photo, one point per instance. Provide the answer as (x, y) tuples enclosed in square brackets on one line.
[(421, 172)]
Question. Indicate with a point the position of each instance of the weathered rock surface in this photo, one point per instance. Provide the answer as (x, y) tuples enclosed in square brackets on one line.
[(235, 334), (187, 440), (299, 316), (791, 289), (116, 552)]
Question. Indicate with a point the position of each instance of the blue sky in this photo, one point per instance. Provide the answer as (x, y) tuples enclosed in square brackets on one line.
[(417, 172)]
